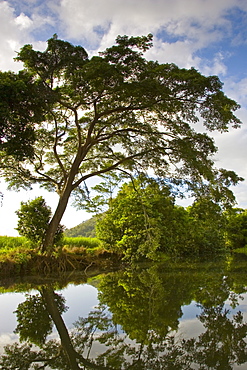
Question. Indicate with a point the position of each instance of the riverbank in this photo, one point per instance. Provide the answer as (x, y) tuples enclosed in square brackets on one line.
[(32, 263), (19, 257)]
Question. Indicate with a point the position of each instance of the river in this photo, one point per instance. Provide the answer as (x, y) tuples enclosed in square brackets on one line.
[(174, 315)]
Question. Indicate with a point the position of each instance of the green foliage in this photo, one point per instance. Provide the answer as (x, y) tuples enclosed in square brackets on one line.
[(208, 226), (34, 217), (11, 242), (115, 111), (131, 225), (22, 105), (34, 322), (236, 228), (143, 220)]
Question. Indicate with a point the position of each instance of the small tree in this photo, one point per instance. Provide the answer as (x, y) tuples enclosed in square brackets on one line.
[(34, 217), (143, 220)]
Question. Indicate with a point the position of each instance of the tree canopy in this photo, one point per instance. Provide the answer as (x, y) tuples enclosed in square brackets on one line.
[(116, 111), (22, 107)]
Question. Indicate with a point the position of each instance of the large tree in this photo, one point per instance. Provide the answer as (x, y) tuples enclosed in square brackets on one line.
[(117, 111)]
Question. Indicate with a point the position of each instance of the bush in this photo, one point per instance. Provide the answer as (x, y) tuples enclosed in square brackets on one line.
[(34, 217)]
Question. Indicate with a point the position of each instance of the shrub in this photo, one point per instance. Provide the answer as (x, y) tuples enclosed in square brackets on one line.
[(34, 217)]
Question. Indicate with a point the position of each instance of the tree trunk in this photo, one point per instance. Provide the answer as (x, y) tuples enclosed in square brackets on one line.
[(55, 221), (48, 296), (61, 207)]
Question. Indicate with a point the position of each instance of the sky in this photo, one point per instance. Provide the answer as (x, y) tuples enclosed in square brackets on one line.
[(206, 34)]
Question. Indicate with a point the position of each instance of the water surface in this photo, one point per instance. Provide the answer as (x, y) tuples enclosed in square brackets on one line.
[(163, 316)]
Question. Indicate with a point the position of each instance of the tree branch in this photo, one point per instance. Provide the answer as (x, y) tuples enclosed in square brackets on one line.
[(57, 137), (110, 168)]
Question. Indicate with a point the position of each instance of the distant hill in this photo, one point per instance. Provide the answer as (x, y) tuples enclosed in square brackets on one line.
[(86, 229)]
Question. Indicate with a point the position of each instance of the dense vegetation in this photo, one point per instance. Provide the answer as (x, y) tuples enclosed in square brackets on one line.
[(143, 221), (18, 255)]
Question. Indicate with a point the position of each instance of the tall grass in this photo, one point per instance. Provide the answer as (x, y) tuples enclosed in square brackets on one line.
[(82, 246), (14, 251), (13, 242), (19, 250), (81, 241), (18, 255)]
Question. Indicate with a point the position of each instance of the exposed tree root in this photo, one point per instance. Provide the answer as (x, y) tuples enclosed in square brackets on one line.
[(48, 265)]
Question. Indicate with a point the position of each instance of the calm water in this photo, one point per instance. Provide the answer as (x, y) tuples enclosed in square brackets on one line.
[(169, 316)]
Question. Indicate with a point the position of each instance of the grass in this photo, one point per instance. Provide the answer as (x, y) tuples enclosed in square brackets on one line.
[(12, 242), (15, 251), (8, 243), (83, 246), (80, 241), (18, 256)]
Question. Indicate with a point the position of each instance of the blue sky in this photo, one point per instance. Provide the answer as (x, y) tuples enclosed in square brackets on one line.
[(209, 35)]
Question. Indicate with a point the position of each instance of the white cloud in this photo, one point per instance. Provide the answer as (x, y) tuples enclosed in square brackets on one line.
[(23, 21), (232, 153), (95, 24), (9, 38), (16, 30), (179, 52), (237, 90), (216, 66), (190, 18), (181, 28)]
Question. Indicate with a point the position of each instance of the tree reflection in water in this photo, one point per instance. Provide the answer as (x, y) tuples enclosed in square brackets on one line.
[(135, 325)]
